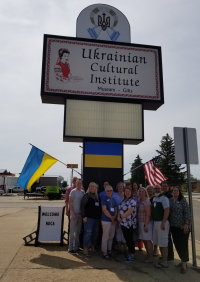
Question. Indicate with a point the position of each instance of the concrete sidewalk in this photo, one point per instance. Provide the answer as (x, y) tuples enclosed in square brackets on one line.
[(51, 262)]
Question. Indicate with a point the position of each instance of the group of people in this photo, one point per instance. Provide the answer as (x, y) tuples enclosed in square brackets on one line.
[(130, 214)]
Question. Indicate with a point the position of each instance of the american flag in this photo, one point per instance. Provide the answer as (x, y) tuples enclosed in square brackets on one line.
[(153, 174)]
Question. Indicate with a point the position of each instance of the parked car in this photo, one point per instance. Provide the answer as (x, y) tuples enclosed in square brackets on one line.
[(16, 189), (40, 189)]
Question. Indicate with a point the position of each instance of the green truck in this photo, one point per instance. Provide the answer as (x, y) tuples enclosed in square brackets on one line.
[(53, 192)]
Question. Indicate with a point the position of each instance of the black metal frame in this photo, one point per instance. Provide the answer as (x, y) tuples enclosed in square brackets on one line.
[(38, 226)]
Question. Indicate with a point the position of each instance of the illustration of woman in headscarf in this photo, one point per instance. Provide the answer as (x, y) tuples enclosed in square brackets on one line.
[(62, 68)]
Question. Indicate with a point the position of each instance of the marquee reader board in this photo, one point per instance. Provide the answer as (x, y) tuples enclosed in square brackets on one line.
[(86, 69), (50, 224)]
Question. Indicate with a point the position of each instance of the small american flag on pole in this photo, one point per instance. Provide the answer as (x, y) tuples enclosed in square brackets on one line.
[(153, 174)]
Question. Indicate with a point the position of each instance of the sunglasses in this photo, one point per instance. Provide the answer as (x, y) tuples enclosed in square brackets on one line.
[(108, 190)]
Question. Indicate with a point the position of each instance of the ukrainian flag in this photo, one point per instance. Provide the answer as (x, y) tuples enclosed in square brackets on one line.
[(37, 163), (105, 155)]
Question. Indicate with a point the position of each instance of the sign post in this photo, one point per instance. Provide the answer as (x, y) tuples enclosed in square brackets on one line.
[(185, 132), (186, 153)]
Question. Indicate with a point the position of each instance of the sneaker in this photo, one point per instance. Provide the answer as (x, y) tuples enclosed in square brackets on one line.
[(79, 250), (130, 259), (170, 259), (111, 255), (106, 257), (126, 254), (71, 252)]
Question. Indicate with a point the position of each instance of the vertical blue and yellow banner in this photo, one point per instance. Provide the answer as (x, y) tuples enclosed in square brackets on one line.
[(104, 155)]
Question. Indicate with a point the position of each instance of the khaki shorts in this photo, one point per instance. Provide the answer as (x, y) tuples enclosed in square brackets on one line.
[(145, 235), (160, 237)]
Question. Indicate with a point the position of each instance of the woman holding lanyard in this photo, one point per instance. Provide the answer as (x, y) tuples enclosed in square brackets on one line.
[(127, 218), (180, 220), (109, 214), (91, 213)]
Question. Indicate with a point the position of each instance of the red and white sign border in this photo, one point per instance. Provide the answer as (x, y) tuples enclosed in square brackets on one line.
[(74, 42)]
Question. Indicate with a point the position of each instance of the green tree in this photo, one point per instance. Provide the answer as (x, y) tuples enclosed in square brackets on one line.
[(193, 179), (137, 175), (166, 162), (64, 184)]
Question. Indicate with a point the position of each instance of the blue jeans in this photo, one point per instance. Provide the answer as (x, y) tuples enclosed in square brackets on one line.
[(91, 230)]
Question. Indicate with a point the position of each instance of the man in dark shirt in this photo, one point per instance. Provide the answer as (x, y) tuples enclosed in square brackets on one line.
[(168, 194), (103, 193), (165, 189)]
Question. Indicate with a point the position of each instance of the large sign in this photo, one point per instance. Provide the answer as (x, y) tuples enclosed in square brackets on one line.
[(103, 22), (100, 70), (50, 224)]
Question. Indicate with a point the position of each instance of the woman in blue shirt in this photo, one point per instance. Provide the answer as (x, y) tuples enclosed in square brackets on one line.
[(108, 221)]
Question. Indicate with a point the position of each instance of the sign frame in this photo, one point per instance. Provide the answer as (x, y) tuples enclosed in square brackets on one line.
[(59, 98), (38, 226)]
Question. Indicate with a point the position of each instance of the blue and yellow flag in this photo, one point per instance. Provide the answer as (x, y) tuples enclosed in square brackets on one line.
[(107, 155), (37, 163)]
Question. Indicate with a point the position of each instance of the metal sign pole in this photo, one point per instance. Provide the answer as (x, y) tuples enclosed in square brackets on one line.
[(72, 176), (185, 133)]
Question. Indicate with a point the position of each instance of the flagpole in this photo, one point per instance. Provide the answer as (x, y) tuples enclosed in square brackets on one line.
[(47, 153), (141, 165), (134, 169)]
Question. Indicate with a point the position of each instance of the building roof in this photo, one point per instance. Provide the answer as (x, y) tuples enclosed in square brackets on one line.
[(5, 172), (51, 176)]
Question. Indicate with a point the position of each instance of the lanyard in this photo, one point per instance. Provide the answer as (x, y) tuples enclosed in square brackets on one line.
[(111, 204)]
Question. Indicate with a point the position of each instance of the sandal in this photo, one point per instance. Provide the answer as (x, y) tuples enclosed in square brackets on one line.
[(180, 265), (160, 265)]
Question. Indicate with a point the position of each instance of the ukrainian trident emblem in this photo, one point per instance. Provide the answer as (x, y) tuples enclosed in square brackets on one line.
[(104, 23)]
